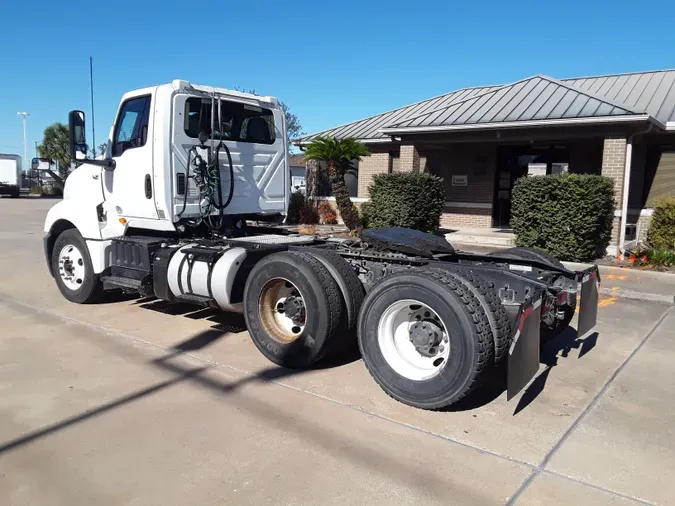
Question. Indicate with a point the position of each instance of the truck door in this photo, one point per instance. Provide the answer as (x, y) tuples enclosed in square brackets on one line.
[(129, 188)]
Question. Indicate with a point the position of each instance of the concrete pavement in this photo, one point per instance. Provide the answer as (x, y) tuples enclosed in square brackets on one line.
[(139, 402)]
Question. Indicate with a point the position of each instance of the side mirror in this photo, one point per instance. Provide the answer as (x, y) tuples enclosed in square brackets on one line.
[(41, 164), (77, 135)]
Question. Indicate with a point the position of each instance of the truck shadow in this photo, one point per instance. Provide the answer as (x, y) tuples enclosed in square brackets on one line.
[(559, 347), (225, 322)]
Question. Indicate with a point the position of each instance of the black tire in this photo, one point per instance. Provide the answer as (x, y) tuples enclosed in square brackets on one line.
[(530, 254), (485, 292), (323, 304), (91, 288), (15, 194), (467, 325), (352, 294)]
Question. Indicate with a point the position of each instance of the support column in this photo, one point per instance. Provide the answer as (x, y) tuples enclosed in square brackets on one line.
[(376, 163), (614, 166), (410, 158)]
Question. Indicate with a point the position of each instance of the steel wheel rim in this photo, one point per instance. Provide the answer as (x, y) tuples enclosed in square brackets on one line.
[(278, 299), (71, 267), (397, 347)]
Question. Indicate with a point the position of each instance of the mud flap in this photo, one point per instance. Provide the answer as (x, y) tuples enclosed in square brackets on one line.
[(588, 309), (523, 361)]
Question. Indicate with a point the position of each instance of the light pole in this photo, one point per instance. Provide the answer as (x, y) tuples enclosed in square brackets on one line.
[(37, 173), (25, 147)]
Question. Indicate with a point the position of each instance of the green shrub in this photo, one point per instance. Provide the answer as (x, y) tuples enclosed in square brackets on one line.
[(661, 234), (36, 190), (568, 215), (661, 257), (406, 199), (297, 202), (365, 214)]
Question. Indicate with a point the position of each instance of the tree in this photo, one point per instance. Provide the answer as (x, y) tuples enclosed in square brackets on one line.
[(56, 146), (293, 125), (338, 153), (100, 150)]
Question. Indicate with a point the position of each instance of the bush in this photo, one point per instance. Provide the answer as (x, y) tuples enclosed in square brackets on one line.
[(309, 215), (327, 213), (405, 199), (294, 206), (365, 215), (661, 234), (35, 190), (568, 215)]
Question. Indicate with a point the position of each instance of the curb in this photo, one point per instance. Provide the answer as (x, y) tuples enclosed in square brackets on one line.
[(633, 295)]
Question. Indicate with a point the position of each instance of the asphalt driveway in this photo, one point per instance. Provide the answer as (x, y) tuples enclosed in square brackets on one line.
[(140, 402)]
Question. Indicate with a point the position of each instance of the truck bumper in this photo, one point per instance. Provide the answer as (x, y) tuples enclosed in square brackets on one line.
[(46, 244)]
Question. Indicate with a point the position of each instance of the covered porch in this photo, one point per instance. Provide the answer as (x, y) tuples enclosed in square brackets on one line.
[(479, 169)]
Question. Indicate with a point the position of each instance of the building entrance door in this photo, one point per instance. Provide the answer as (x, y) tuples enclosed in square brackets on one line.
[(514, 162)]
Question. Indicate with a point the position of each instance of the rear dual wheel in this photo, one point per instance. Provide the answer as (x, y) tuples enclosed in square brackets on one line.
[(425, 337), (300, 305)]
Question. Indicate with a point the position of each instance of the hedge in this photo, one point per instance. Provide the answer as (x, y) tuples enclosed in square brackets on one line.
[(294, 207), (568, 215), (661, 234), (405, 199)]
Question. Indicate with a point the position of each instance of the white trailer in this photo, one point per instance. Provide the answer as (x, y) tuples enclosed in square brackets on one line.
[(166, 212), (10, 175)]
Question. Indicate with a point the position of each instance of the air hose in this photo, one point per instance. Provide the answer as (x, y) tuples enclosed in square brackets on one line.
[(208, 181)]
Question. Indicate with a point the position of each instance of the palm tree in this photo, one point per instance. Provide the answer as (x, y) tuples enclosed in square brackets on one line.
[(338, 153)]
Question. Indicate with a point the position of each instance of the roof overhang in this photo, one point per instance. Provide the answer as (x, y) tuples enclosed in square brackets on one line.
[(632, 118), (363, 141)]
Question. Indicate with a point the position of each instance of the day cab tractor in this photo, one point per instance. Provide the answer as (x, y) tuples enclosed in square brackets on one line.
[(168, 212)]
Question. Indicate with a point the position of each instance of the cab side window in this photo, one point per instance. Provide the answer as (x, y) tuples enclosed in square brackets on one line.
[(131, 130)]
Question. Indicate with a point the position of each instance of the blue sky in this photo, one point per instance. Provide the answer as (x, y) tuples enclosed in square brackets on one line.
[(331, 62)]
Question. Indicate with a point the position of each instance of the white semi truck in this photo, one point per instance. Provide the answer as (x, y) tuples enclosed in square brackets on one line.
[(166, 213), (10, 175)]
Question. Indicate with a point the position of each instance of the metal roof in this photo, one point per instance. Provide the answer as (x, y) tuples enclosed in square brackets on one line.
[(537, 98), (650, 92), (369, 128)]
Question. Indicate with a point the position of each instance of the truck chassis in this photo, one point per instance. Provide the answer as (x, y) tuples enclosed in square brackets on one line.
[(431, 323)]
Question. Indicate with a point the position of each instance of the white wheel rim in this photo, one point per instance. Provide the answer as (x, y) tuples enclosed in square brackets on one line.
[(272, 308), (71, 267), (399, 351)]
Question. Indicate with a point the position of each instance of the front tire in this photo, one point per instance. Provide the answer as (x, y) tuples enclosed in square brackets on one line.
[(73, 270), (425, 338)]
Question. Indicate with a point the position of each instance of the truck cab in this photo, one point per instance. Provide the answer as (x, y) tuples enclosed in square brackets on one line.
[(145, 182)]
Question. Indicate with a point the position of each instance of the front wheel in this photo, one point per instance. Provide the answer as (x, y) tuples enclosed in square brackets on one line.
[(72, 268)]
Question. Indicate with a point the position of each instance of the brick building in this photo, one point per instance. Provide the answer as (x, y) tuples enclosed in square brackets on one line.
[(480, 140)]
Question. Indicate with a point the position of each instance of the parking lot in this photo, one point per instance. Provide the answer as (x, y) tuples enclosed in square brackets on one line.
[(140, 402)]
